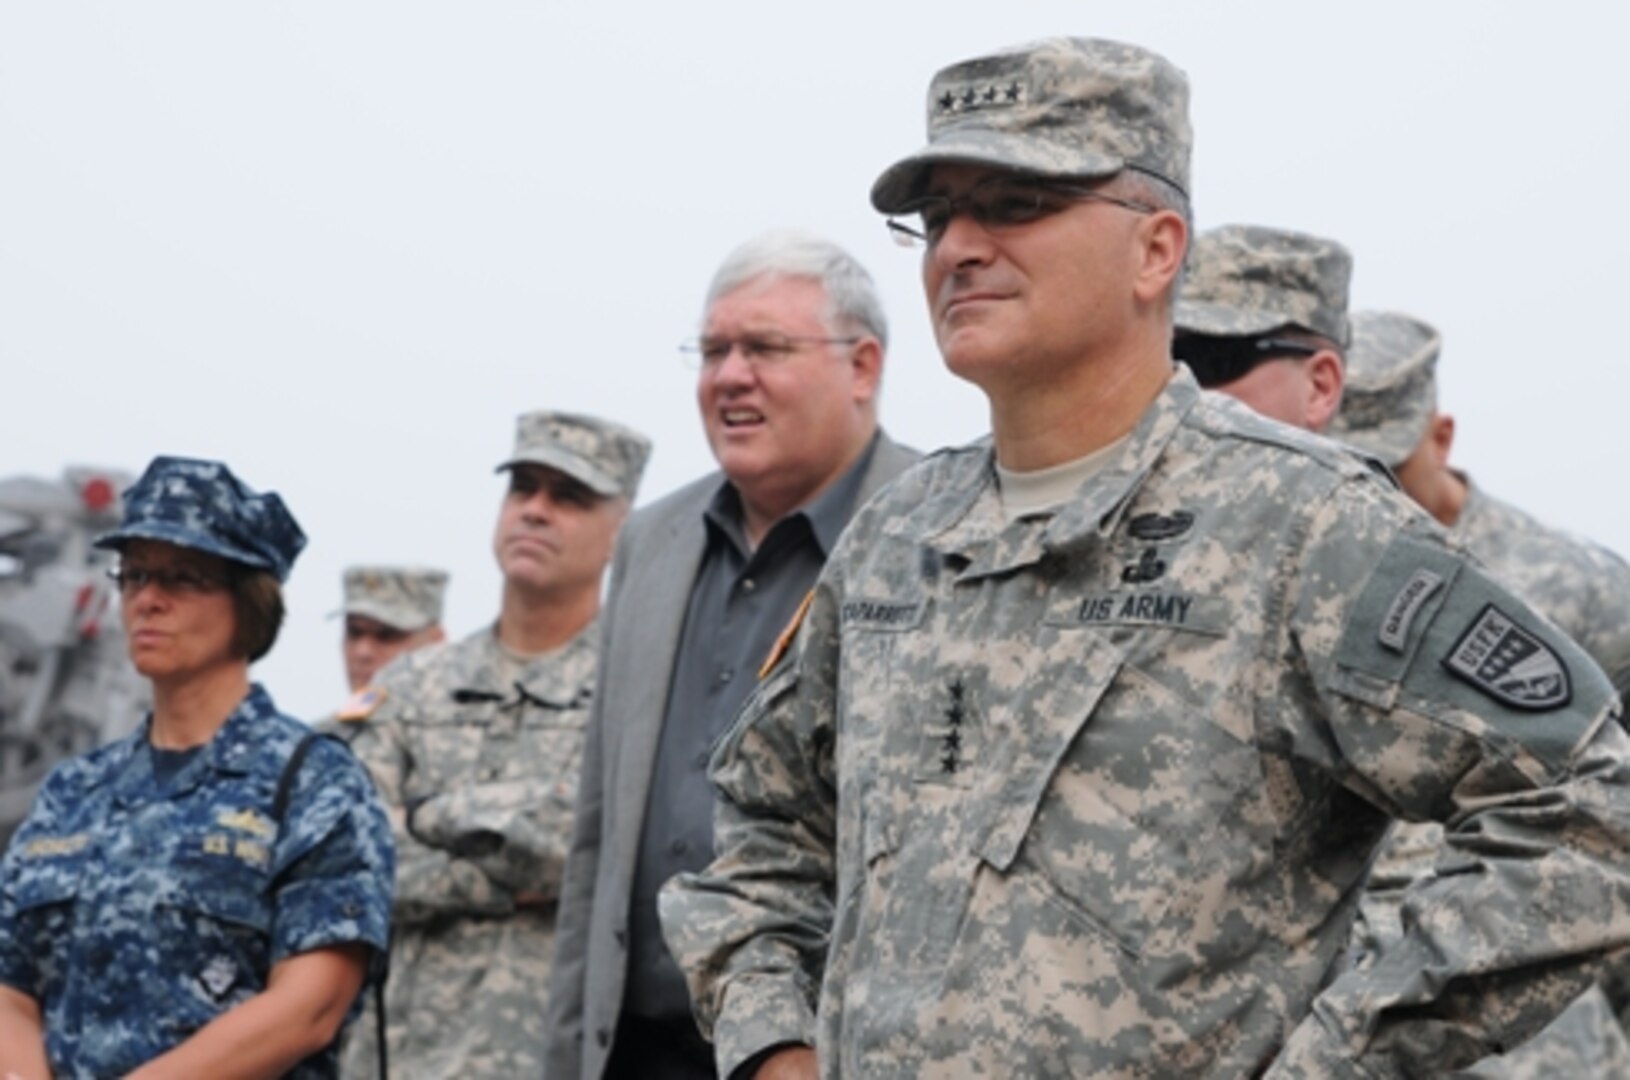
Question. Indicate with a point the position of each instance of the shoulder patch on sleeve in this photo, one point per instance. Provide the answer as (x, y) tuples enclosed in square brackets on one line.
[(1432, 632), (362, 705), (1510, 664)]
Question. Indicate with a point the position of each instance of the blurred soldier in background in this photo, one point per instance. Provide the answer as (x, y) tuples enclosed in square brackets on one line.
[(66, 683), (1262, 316), (388, 610), (476, 747)]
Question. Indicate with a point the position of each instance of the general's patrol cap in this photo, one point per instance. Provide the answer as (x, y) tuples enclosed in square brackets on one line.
[(1063, 107), (199, 504), (404, 597), (1391, 388), (1245, 280), (606, 456)]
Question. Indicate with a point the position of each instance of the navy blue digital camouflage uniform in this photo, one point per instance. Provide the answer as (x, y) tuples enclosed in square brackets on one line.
[(136, 907), (135, 913)]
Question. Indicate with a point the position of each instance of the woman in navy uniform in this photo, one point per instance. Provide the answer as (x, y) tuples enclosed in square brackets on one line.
[(203, 898)]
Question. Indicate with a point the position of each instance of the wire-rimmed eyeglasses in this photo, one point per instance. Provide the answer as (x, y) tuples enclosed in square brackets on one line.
[(996, 203), (756, 349)]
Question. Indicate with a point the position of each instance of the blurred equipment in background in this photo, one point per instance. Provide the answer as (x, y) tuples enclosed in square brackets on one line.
[(66, 683)]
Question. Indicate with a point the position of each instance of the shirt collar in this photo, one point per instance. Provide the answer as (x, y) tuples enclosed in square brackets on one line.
[(826, 514), (232, 750)]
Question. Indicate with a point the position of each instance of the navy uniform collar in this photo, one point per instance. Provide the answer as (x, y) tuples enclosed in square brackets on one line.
[(231, 751)]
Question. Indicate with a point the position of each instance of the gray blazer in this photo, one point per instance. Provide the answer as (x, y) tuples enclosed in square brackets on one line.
[(658, 554)]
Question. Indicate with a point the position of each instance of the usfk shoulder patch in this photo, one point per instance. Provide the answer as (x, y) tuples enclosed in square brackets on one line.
[(362, 704), (1400, 614), (1510, 664)]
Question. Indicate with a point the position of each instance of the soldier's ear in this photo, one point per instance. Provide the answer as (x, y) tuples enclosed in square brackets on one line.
[(1440, 431), (1163, 242)]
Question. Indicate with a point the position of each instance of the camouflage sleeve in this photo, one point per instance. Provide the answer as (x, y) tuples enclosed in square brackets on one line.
[(429, 881), (1429, 689), (339, 856), (1587, 1039), (515, 831), (751, 931), (19, 955)]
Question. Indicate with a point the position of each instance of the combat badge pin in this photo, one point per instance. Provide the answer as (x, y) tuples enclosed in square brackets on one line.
[(1509, 664)]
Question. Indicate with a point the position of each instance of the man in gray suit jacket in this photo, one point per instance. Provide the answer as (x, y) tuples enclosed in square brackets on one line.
[(789, 363)]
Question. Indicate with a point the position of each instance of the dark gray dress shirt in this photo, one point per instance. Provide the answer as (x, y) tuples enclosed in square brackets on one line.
[(741, 600)]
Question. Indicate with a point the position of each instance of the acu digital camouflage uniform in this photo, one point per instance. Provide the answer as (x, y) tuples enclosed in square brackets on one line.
[(1585, 589), (135, 910), (481, 754), (1092, 793), (477, 752)]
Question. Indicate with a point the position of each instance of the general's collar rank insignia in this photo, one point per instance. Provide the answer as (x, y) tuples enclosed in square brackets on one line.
[(1509, 664)]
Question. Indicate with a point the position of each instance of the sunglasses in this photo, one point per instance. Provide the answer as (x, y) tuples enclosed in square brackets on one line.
[(1218, 361)]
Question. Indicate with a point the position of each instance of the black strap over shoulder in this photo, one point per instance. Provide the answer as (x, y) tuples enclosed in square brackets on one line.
[(291, 769), (280, 806)]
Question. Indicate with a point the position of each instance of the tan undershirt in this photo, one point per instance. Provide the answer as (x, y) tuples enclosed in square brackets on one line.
[(1041, 491)]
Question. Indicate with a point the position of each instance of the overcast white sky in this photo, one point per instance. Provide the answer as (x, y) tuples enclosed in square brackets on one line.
[(341, 245)]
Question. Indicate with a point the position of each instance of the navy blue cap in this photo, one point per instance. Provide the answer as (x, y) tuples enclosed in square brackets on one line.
[(200, 505)]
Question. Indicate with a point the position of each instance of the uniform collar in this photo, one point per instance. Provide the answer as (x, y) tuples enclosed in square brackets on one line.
[(977, 533), (554, 678), (232, 750)]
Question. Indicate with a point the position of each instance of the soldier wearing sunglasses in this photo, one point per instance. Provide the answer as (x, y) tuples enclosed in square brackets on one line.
[(1262, 317)]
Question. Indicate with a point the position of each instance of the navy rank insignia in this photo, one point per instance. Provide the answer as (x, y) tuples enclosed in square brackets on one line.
[(1509, 664)]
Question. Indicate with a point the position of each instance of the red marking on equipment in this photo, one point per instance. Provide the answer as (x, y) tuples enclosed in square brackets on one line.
[(97, 494)]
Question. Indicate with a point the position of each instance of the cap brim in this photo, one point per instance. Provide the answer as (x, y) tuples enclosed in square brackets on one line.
[(905, 179), (386, 614), (578, 468), (168, 533)]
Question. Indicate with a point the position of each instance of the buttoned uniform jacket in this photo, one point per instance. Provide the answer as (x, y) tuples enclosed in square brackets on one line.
[(659, 551), (1094, 793), (137, 912)]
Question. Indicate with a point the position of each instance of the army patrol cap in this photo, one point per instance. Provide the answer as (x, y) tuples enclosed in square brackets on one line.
[(403, 597), (1245, 280), (1392, 389), (199, 504), (1064, 108), (606, 456)]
